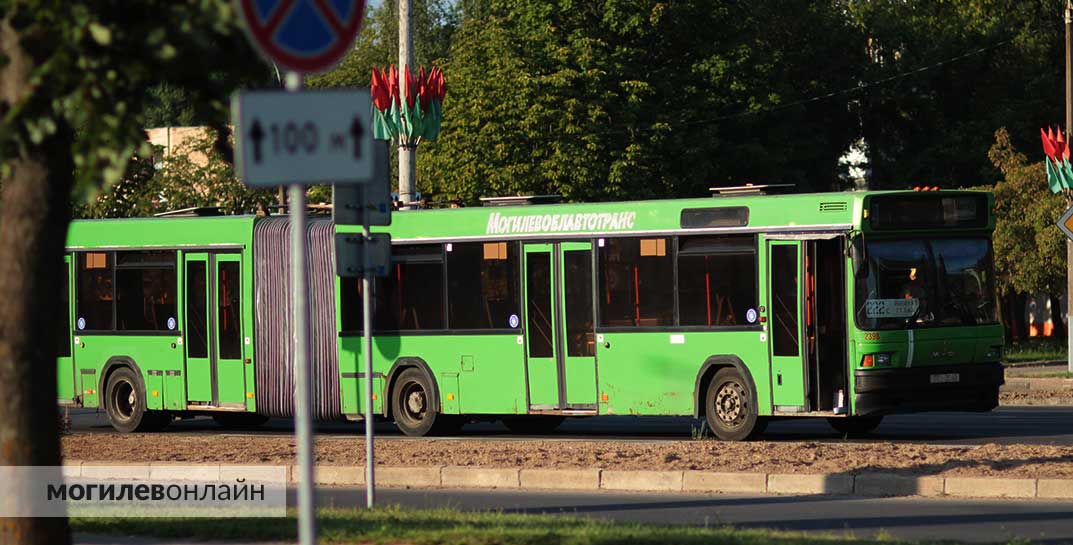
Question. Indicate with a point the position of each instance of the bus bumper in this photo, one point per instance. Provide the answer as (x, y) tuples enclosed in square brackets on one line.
[(932, 388)]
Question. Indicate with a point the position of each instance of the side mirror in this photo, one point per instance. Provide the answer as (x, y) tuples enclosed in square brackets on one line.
[(858, 258)]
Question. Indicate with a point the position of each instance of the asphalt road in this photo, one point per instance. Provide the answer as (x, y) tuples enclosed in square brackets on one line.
[(910, 519), (1006, 425), (905, 519)]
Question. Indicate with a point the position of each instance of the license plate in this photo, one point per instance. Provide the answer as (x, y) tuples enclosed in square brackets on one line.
[(945, 378)]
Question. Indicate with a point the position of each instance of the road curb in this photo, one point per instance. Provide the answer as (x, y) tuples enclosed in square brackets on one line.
[(864, 484), (1037, 384)]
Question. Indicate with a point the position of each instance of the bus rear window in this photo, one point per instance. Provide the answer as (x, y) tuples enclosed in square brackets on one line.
[(896, 212)]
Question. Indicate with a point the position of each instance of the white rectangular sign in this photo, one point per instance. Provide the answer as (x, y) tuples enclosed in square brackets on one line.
[(306, 137)]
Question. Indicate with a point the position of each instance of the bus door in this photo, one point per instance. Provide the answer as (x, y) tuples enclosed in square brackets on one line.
[(65, 363), (579, 342), (784, 317), (561, 363), (214, 366)]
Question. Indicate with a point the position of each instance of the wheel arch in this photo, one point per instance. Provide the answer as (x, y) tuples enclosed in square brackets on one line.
[(402, 364), (708, 369), (113, 364)]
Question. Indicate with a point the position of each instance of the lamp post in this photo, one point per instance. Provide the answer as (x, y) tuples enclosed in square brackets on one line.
[(1069, 201)]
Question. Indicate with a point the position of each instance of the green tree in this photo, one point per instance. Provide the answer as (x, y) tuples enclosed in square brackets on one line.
[(72, 104), (639, 99), (168, 106), (377, 45), (984, 64), (196, 175), (1029, 249)]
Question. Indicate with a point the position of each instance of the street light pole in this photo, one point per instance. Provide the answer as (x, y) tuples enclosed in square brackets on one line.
[(407, 151), (1069, 198)]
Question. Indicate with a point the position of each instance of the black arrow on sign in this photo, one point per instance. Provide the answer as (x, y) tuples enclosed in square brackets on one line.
[(257, 134), (356, 130)]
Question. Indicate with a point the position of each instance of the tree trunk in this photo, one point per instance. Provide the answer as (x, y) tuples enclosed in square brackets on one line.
[(34, 214)]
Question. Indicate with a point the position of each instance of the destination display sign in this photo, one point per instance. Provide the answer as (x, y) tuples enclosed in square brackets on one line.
[(891, 308)]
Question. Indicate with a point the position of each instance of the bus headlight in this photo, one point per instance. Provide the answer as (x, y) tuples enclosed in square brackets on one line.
[(876, 360), (994, 353)]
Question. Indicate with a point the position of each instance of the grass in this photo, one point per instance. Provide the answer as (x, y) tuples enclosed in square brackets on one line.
[(395, 525), (1044, 350)]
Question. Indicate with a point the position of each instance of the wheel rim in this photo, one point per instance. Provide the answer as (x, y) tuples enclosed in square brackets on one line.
[(730, 404), (414, 402), (124, 401)]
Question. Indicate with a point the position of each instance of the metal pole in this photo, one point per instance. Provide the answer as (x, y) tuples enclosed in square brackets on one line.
[(407, 151), (367, 348), (1069, 201), (303, 420)]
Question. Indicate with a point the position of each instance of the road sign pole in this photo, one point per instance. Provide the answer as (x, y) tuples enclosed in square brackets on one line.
[(303, 418), (367, 347)]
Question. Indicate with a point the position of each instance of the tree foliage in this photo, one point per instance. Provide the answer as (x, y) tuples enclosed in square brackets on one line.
[(639, 99), (951, 73), (192, 175), (1029, 249), (73, 81), (648, 98), (377, 45)]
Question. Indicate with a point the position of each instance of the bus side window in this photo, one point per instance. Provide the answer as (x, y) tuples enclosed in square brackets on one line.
[(413, 298), (716, 280), (95, 295), (146, 286), (636, 282), (482, 285), (63, 349)]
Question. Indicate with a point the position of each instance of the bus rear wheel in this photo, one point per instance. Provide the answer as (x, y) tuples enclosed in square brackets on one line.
[(730, 407), (855, 425), (124, 402), (411, 407)]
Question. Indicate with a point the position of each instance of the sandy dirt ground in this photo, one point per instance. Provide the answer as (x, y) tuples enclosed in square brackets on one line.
[(1036, 397), (708, 455)]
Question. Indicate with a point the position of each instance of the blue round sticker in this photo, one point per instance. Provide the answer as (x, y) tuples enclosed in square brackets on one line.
[(750, 315), (81, 323), (514, 321), (171, 323)]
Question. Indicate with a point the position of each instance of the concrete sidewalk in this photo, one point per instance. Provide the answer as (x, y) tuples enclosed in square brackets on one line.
[(679, 481)]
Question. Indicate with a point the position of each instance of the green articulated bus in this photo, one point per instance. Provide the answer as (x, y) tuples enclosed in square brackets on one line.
[(738, 309)]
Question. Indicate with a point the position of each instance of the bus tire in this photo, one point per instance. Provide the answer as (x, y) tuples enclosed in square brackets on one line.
[(124, 403), (730, 407), (411, 405), (533, 424), (855, 425), (240, 421)]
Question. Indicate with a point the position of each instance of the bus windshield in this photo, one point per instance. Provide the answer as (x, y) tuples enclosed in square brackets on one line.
[(926, 282)]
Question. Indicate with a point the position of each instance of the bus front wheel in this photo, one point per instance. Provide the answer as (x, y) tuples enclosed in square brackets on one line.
[(855, 425), (126, 407), (730, 407), (411, 407)]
